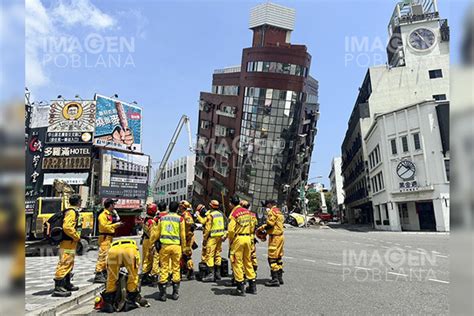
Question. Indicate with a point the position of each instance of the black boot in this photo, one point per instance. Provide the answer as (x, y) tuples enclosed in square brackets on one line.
[(162, 295), (154, 280), (217, 271), (240, 291), (108, 306), (146, 279), (274, 281), (252, 288), (131, 302), (210, 276), (68, 285), (190, 274), (280, 276), (60, 288), (175, 294), (100, 277)]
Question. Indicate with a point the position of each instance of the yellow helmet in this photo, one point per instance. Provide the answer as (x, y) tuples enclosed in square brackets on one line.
[(185, 204), (214, 204), (244, 204)]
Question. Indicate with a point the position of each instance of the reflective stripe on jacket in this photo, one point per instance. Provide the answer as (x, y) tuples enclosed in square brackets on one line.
[(170, 229), (217, 228)]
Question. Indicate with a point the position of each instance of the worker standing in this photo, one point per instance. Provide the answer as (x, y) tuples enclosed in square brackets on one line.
[(171, 244), (240, 233), (253, 254), (107, 226), (213, 234), (201, 209), (274, 228), (72, 225), (123, 253), (148, 275), (155, 271), (185, 211)]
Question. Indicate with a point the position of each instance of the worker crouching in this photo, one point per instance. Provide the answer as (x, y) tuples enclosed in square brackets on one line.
[(213, 234), (171, 244), (123, 253)]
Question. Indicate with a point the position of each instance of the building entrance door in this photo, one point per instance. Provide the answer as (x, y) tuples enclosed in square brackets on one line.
[(426, 215)]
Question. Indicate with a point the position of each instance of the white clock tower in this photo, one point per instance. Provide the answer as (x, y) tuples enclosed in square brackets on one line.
[(416, 33)]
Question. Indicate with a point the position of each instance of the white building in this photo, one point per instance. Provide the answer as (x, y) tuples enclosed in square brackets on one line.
[(408, 163), (417, 70), (335, 178), (177, 180)]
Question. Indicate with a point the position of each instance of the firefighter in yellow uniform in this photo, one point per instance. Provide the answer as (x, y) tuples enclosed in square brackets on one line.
[(123, 253), (213, 234), (172, 242), (253, 255), (72, 224), (155, 270), (201, 209), (107, 228), (240, 233), (274, 228), (149, 276), (185, 211)]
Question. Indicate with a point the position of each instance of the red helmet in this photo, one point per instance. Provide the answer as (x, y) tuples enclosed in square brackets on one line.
[(151, 209)]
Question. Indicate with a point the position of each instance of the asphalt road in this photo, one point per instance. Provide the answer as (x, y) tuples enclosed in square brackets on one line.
[(331, 271)]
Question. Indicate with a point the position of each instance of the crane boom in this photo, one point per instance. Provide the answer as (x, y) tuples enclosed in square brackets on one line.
[(183, 121)]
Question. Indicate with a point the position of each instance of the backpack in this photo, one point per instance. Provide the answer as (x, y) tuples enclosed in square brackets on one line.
[(53, 227)]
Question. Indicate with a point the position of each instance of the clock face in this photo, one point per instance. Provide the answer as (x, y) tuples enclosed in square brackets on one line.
[(406, 170), (422, 39)]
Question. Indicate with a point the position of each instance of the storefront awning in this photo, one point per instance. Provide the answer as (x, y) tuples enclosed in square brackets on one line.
[(70, 178)]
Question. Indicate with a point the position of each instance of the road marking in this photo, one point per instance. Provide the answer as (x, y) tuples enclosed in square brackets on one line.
[(334, 264), (401, 274), (362, 268), (440, 281), (441, 256), (309, 260)]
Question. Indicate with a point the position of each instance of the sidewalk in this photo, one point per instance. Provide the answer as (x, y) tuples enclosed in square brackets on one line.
[(39, 284)]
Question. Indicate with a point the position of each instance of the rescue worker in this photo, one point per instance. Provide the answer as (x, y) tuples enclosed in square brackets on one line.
[(156, 255), (245, 204), (201, 209), (123, 253), (213, 235), (240, 233), (172, 242), (274, 228), (149, 275), (187, 260), (107, 226), (72, 225)]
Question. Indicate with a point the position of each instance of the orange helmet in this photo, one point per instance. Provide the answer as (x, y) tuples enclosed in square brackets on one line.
[(214, 204), (185, 204), (151, 209), (200, 207)]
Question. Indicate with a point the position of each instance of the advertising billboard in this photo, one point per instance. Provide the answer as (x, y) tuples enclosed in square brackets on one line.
[(33, 162), (67, 157), (71, 121), (124, 175), (118, 124)]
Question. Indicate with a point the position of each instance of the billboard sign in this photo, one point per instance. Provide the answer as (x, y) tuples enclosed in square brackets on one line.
[(71, 121), (118, 124), (67, 157), (124, 175)]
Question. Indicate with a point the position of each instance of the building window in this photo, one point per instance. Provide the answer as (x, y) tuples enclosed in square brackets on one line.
[(446, 168), (436, 73), (393, 144), (404, 144), (403, 209), (439, 97), (416, 141)]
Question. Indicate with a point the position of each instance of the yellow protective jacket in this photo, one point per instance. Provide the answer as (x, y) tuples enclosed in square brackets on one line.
[(106, 226), (156, 234), (70, 224), (275, 219), (214, 225), (241, 222), (188, 223)]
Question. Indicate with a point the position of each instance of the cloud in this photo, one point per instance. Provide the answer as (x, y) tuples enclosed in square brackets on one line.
[(82, 12), (55, 22)]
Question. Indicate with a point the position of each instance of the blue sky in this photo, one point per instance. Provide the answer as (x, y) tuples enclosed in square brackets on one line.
[(170, 49)]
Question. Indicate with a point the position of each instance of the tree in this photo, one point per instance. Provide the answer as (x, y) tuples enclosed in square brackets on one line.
[(314, 202)]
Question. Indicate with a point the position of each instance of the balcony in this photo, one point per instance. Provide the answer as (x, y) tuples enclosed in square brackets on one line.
[(227, 70), (228, 111)]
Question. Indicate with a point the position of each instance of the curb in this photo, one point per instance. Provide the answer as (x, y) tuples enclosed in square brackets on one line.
[(68, 302)]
